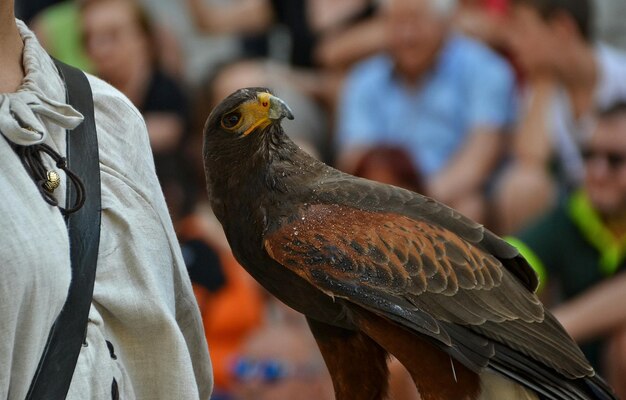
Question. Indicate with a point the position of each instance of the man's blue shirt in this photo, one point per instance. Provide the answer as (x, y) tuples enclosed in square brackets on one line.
[(469, 86)]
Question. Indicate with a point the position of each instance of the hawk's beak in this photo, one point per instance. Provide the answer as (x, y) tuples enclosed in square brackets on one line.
[(265, 110), (278, 108)]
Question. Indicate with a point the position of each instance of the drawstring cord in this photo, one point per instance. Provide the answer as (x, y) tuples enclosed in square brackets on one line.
[(48, 181)]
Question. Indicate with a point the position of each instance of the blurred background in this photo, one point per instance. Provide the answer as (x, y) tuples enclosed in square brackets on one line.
[(511, 111)]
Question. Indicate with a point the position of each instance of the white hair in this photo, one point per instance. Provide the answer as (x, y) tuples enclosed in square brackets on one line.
[(444, 8)]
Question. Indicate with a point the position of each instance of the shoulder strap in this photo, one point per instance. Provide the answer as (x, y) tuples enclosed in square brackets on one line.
[(56, 366)]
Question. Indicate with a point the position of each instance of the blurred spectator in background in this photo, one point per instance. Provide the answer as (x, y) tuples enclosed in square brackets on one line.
[(281, 361), (568, 77), (445, 98), (119, 39), (391, 165), (58, 29), (582, 242)]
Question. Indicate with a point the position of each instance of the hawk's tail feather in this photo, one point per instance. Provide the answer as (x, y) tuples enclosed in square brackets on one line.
[(545, 382), (600, 388)]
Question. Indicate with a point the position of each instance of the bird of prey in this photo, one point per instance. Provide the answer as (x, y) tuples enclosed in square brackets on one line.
[(380, 270)]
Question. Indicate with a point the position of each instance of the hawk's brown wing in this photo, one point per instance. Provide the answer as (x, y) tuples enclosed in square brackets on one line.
[(428, 279), (364, 194)]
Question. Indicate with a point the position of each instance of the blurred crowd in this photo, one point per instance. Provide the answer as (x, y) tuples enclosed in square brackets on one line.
[(511, 111)]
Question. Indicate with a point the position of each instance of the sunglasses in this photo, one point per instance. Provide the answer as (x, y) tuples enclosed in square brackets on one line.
[(269, 371), (613, 159)]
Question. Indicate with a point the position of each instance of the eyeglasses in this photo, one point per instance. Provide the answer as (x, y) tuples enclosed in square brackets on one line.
[(613, 159), (269, 371)]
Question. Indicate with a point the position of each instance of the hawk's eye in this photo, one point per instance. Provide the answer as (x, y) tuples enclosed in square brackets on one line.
[(231, 120)]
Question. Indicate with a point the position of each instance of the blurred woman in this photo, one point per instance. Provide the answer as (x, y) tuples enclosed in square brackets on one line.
[(120, 40)]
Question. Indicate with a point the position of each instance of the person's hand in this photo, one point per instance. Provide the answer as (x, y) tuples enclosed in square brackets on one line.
[(532, 44)]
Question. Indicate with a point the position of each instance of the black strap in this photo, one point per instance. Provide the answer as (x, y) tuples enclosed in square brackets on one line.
[(57, 364)]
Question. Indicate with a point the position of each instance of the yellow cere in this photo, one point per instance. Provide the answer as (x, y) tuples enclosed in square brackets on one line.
[(255, 113)]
